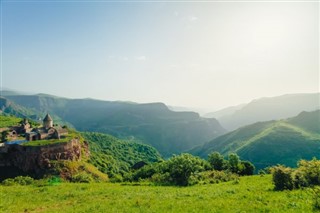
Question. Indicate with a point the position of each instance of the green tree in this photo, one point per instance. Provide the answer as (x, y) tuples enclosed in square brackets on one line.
[(247, 168), (216, 161), (181, 167), (234, 163)]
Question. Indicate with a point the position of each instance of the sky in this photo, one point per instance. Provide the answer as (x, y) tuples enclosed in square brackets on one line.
[(208, 54)]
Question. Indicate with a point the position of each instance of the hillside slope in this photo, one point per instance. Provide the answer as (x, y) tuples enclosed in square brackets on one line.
[(154, 124), (265, 109), (7, 107), (114, 156), (272, 142)]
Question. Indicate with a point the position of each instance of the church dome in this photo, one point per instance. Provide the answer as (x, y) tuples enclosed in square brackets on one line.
[(47, 118)]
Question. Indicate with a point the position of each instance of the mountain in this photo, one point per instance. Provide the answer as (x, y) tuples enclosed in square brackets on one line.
[(265, 109), (271, 142), (223, 112), (114, 156), (201, 111), (7, 107), (154, 124)]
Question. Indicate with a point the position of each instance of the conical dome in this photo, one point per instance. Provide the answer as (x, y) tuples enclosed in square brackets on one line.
[(47, 122), (47, 118)]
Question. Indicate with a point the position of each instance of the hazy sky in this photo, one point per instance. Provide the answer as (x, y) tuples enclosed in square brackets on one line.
[(196, 54)]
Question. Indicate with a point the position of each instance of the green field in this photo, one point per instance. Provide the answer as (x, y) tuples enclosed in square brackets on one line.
[(250, 194), (6, 121)]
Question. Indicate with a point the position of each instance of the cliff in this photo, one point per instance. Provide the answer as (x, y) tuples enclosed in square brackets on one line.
[(37, 159)]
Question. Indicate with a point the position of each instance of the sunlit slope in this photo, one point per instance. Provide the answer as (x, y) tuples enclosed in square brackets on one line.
[(272, 142)]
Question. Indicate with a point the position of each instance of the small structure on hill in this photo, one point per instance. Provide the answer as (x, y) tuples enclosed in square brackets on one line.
[(12, 133), (47, 131)]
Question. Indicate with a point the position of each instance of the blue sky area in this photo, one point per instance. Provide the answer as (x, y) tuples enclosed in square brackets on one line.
[(207, 54)]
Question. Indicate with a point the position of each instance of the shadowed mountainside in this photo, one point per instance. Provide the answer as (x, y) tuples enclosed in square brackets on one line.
[(154, 124)]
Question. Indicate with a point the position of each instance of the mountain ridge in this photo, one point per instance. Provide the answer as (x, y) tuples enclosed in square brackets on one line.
[(151, 123), (267, 108)]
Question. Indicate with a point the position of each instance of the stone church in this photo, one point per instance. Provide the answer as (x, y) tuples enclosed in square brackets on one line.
[(47, 131)]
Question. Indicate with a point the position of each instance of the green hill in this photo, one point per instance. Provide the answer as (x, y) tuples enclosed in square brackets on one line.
[(270, 143), (8, 107), (265, 109), (154, 124), (114, 156)]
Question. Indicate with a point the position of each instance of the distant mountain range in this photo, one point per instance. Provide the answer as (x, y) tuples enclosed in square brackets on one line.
[(271, 142), (265, 109), (154, 124)]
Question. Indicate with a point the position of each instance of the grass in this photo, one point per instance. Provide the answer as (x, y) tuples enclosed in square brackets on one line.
[(71, 134), (251, 194), (6, 121), (46, 142)]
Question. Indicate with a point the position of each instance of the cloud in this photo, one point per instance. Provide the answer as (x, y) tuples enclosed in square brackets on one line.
[(176, 13), (141, 58)]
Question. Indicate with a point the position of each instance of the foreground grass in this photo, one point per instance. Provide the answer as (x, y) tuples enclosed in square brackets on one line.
[(251, 194)]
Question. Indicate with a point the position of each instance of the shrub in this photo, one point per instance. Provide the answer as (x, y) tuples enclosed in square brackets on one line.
[(282, 177), (308, 173), (116, 178), (19, 180), (316, 199), (211, 177), (145, 172), (82, 178), (8, 182)]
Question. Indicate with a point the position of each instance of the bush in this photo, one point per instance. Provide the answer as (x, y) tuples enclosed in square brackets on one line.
[(8, 182), (308, 173), (145, 172), (282, 177), (211, 177), (316, 199), (82, 178), (116, 178), (19, 180)]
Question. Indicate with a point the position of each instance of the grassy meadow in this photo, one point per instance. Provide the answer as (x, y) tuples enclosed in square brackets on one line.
[(249, 194)]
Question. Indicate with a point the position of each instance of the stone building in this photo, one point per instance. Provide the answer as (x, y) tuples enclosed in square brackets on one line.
[(47, 131)]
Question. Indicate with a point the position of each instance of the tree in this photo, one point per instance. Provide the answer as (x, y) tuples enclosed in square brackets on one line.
[(216, 161), (181, 167), (234, 163), (247, 168)]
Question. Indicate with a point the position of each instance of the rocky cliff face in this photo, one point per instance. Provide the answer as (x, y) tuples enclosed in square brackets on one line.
[(36, 159)]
